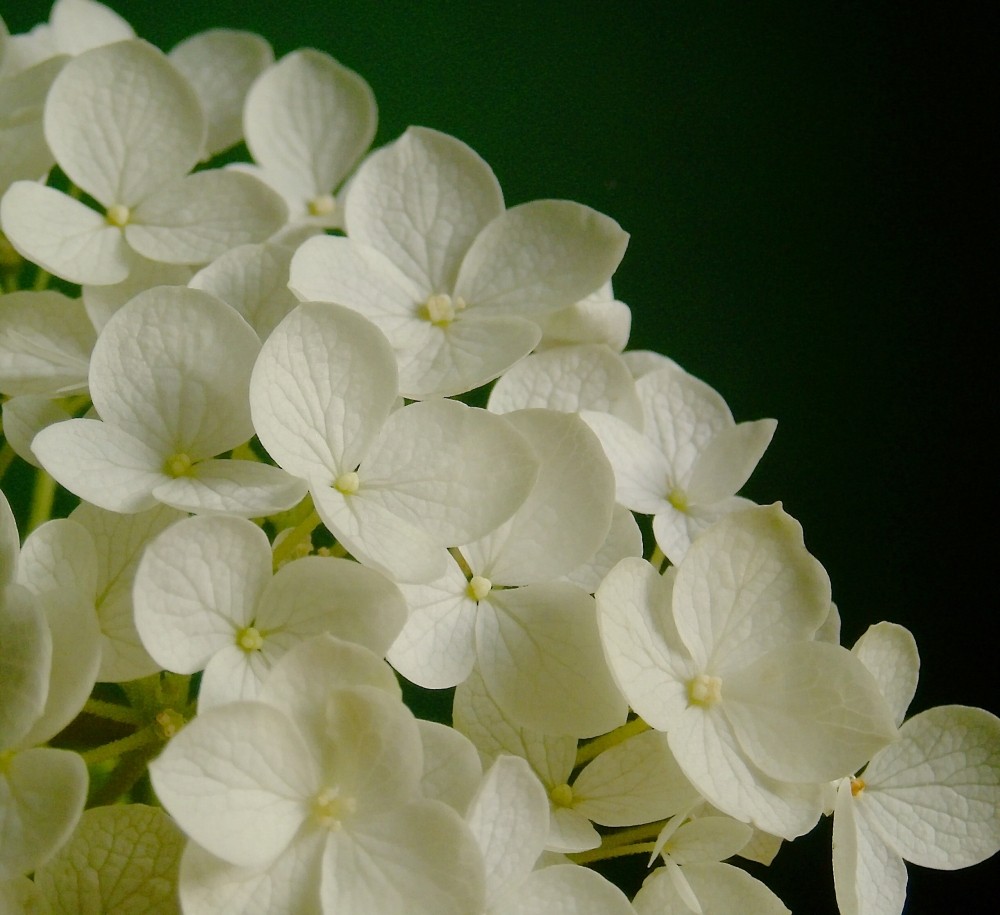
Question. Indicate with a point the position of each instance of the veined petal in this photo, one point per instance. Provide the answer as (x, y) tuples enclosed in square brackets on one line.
[(540, 256), (321, 389), (63, 236), (101, 464), (889, 651), (79, 25), (122, 122), (717, 887), (310, 116), (422, 201), (748, 585), (452, 768), (199, 218), (728, 460), (26, 661), (221, 65), (59, 554), (244, 488), (238, 779), (581, 890), (540, 654), (24, 417), (102, 302)]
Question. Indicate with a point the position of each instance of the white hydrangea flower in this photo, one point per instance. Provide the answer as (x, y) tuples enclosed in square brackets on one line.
[(129, 102), (714, 889), (308, 121), (689, 461), (450, 277), (205, 599), (596, 318), (393, 485), (168, 406), (722, 657), (308, 800)]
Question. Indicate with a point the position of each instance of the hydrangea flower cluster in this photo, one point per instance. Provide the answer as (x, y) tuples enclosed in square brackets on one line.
[(342, 426)]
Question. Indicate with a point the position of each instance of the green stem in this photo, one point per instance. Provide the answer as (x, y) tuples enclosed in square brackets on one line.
[(461, 560), (6, 457), (597, 746), (620, 851), (148, 736), (657, 558), (111, 711), (130, 768), (284, 550), (42, 498)]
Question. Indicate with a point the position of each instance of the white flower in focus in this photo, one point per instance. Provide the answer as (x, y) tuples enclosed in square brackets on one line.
[(597, 318), (127, 128), (168, 406), (205, 599), (688, 463), (757, 713), (450, 277), (308, 800)]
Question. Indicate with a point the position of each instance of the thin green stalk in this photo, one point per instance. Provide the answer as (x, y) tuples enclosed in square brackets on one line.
[(146, 737), (286, 549), (42, 498), (112, 711), (619, 735), (6, 457), (620, 851)]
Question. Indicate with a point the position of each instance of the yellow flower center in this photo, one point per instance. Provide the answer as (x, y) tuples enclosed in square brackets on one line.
[(118, 215), (177, 465), (562, 795), (250, 639), (704, 690), (323, 205), (478, 587), (678, 499), (347, 483), (440, 309), (329, 808), (857, 786)]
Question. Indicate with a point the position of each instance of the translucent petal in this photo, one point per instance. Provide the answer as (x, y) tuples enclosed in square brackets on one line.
[(10, 543), (935, 793), (100, 463), (710, 838), (237, 779), (422, 201), (728, 460), (25, 663), (718, 888), (120, 858), (42, 792), (63, 236), (310, 116), (221, 65), (59, 554), (565, 889), (45, 344), (199, 218), (79, 25), (889, 651), (244, 488), (122, 122), (540, 256), (748, 585), (322, 387), (102, 302), (598, 318), (197, 583), (624, 539), (452, 770), (24, 154), (804, 712), (541, 657)]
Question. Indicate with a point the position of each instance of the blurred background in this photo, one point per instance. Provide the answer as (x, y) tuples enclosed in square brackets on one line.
[(812, 207)]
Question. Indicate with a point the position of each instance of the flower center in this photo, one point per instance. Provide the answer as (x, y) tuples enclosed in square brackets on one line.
[(478, 587), (118, 215), (562, 795), (678, 499), (250, 639), (169, 722), (177, 465), (857, 786), (440, 309), (347, 483), (704, 690), (329, 808), (323, 205)]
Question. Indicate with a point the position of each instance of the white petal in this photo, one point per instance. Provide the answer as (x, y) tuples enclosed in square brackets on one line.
[(122, 122), (10, 543), (869, 877), (637, 781), (540, 256), (102, 302), (199, 218), (63, 236), (717, 887), (321, 389), (79, 25), (220, 65), (509, 817), (24, 154), (452, 770), (566, 889), (59, 554), (935, 793), (310, 116), (237, 779), (120, 858), (197, 583), (708, 838), (624, 539), (421, 202), (570, 831), (101, 464), (804, 712), (570, 379), (24, 417), (417, 860), (45, 343), (155, 373), (541, 657), (748, 585), (889, 651), (42, 793), (728, 460), (244, 488), (26, 662), (591, 320)]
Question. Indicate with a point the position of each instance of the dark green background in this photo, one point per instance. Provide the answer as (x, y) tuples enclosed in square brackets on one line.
[(812, 210)]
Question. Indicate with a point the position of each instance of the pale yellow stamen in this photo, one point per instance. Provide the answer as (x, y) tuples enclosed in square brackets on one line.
[(478, 587), (704, 690), (857, 786), (169, 722), (250, 639), (118, 215), (347, 483), (177, 465), (323, 205), (562, 795), (329, 808), (678, 499), (441, 309)]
